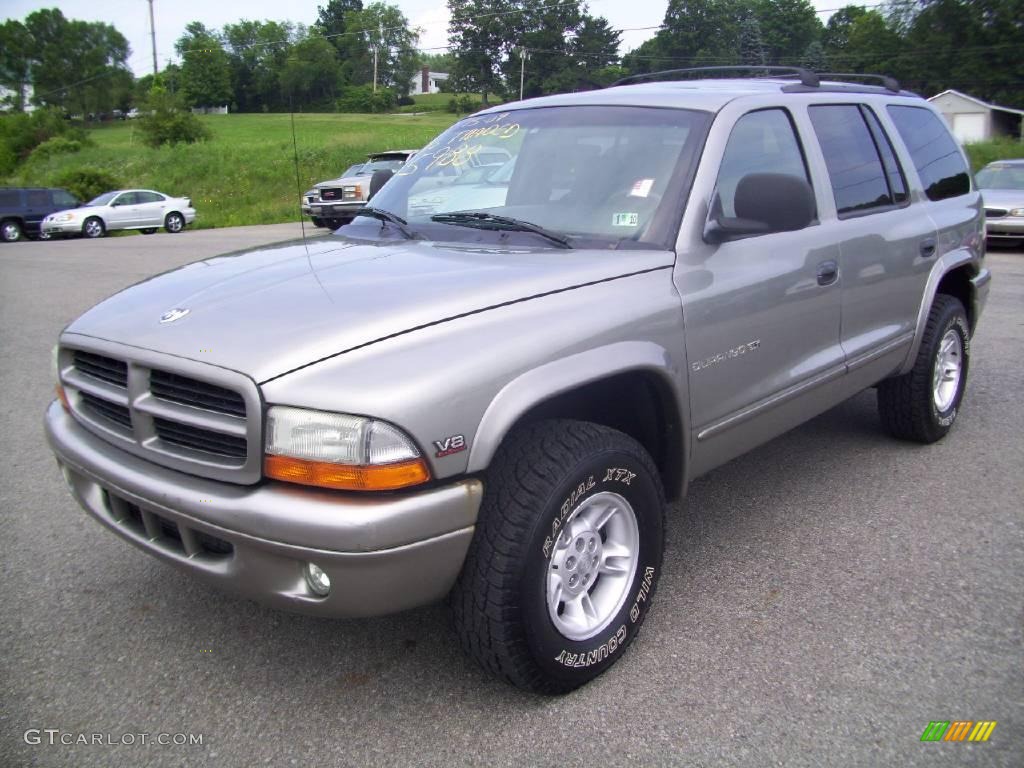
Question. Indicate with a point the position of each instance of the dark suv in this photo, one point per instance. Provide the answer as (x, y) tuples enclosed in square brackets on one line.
[(23, 208)]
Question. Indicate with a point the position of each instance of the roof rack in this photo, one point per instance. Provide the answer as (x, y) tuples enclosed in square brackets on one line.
[(890, 83), (807, 77)]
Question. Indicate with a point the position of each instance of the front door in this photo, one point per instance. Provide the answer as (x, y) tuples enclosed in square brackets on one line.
[(761, 314)]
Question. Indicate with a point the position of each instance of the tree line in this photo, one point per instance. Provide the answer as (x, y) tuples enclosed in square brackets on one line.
[(497, 47)]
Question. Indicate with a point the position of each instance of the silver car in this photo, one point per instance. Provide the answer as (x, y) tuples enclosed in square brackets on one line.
[(492, 399), (142, 209), (1002, 186)]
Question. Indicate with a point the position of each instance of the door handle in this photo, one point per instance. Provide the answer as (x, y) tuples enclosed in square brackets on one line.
[(928, 247), (828, 272)]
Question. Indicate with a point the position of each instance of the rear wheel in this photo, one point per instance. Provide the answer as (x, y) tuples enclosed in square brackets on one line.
[(923, 404), (10, 230), (565, 557), (93, 227), (174, 222)]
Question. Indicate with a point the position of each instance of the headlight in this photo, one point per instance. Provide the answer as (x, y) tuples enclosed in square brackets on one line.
[(352, 193), (334, 450), (1017, 212), (64, 217), (311, 195)]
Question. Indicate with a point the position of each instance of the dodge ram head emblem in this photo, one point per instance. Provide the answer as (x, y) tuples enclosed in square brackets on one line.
[(173, 314)]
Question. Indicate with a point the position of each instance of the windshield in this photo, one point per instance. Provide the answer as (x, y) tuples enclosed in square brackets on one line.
[(390, 164), (103, 199), (614, 175), (352, 171), (1001, 177)]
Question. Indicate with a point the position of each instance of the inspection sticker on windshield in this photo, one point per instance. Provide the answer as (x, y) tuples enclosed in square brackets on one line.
[(641, 188), (625, 219)]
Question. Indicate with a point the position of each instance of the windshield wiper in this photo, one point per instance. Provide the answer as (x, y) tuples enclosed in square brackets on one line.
[(485, 220), (387, 216)]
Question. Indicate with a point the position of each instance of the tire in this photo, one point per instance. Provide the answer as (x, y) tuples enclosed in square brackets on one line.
[(548, 478), (10, 231), (149, 230), (318, 222), (94, 227), (174, 222), (923, 404)]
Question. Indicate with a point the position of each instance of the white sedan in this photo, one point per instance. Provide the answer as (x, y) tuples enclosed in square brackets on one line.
[(141, 209)]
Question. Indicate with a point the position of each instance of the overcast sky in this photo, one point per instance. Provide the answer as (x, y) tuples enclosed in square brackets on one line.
[(131, 17)]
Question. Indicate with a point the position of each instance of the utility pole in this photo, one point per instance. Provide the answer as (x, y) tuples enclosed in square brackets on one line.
[(524, 55), (152, 34), (376, 48)]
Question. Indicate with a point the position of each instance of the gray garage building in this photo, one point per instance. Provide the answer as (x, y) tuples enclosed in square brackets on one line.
[(975, 120)]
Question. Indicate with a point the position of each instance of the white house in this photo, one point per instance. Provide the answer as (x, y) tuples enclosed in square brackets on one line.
[(427, 82), (975, 120)]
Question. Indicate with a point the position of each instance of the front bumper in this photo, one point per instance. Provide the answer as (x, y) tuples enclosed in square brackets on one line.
[(332, 210), (382, 553), (1005, 228), (61, 228)]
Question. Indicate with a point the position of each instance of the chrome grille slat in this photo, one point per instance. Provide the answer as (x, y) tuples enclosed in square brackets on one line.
[(100, 367), (178, 413), (200, 439), (104, 409), (199, 394)]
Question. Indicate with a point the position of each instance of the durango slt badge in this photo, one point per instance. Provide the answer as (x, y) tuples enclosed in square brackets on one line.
[(173, 314)]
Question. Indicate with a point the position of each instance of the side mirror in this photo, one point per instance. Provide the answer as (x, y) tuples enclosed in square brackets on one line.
[(378, 180), (764, 203)]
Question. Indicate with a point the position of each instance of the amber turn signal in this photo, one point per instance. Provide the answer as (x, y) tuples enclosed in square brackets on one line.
[(63, 397), (347, 477)]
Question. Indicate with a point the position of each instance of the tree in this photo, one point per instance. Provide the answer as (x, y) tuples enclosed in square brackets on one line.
[(311, 76), (205, 68), (77, 66), (788, 27), (814, 57), (332, 24), (694, 33), (168, 120), (385, 28), (15, 62), (257, 52), (479, 38), (548, 32), (752, 42)]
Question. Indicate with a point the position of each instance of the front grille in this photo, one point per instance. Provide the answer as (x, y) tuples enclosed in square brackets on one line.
[(104, 410), (331, 194), (104, 368), (164, 532), (183, 414), (995, 213), (199, 439), (199, 394)]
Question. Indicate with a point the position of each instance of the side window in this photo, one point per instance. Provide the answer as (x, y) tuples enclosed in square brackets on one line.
[(148, 197), (10, 198), (859, 182), (935, 154), (125, 198), (893, 172), (60, 197), (38, 198), (760, 142)]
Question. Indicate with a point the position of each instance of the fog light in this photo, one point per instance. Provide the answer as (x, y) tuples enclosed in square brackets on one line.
[(317, 580)]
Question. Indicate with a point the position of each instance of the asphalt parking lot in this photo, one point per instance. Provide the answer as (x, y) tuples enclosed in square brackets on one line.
[(823, 598)]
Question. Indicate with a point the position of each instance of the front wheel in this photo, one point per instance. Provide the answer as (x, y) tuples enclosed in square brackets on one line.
[(10, 231), (565, 557), (93, 227), (923, 404), (174, 222)]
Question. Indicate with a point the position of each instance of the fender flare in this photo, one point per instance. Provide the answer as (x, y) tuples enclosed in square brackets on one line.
[(546, 381), (943, 266)]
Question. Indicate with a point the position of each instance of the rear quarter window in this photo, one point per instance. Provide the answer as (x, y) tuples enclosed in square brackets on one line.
[(935, 153)]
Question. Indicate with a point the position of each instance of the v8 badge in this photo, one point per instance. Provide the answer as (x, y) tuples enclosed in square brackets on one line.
[(449, 445)]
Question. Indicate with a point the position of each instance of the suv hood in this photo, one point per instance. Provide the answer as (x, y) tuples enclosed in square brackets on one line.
[(341, 180), (1003, 198), (269, 311)]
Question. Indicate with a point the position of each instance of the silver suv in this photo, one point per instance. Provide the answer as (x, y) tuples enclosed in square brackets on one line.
[(495, 404)]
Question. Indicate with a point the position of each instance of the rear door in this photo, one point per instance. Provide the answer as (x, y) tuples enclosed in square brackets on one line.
[(150, 208), (886, 244), (37, 206)]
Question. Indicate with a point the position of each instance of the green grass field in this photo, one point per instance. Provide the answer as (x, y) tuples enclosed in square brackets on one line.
[(245, 174)]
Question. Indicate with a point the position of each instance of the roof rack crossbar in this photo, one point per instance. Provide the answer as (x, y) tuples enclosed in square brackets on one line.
[(890, 83), (807, 77)]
